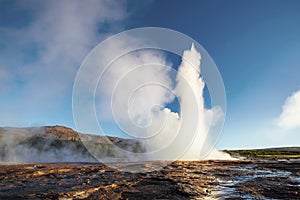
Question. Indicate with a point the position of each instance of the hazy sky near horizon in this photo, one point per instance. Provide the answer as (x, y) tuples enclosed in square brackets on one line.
[(255, 44)]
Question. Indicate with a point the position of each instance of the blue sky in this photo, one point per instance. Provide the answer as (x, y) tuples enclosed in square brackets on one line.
[(255, 44)]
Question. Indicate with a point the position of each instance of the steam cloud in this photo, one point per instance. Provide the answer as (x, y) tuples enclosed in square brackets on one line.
[(40, 57), (31, 145), (189, 89), (134, 91), (61, 34)]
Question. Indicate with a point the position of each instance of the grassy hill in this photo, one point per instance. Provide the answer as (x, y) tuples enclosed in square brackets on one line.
[(57, 144), (279, 152)]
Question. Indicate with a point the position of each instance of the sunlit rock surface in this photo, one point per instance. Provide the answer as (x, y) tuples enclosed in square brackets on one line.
[(256, 179)]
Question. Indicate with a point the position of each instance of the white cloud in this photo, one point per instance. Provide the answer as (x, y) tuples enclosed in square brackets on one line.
[(65, 32), (56, 39), (290, 115)]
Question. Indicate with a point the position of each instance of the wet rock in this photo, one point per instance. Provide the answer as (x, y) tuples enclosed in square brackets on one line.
[(179, 180)]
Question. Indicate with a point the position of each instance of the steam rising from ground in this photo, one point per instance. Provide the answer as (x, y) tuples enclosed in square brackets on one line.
[(190, 71), (139, 105), (33, 145), (141, 86), (189, 89)]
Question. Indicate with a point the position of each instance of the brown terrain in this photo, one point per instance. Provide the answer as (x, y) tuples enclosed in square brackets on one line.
[(264, 179), (258, 177)]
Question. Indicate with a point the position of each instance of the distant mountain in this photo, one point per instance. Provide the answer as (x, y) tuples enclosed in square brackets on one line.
[(57, 144)]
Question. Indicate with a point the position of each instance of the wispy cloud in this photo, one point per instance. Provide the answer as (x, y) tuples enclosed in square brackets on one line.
[(43, 54)]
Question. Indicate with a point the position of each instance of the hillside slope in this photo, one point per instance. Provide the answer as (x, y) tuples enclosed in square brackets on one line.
[(57, 144), (279, 152)]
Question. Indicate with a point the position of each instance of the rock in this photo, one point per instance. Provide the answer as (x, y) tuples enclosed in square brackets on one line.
[(178, 180)]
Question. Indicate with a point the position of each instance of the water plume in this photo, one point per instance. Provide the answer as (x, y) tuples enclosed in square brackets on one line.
[(189, 90), (126, 85)]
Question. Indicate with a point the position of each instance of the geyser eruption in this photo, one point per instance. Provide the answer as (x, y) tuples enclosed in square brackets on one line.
[(127, 83), (189, 90), (189, 71)]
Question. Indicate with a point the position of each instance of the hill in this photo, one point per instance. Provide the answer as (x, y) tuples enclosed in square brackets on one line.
[(279, 152), (57, 144)]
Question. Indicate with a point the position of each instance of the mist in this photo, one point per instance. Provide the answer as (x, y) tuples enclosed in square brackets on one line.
[(193, 122), (33, 145), (139, 107), (134, 91)]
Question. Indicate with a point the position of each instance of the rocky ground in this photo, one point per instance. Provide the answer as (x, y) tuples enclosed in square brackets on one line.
[(252, 179)]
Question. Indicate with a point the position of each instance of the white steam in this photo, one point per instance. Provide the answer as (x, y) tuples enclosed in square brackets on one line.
[(32, 145), (189, 90), (138, 86), (41, 56)]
